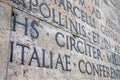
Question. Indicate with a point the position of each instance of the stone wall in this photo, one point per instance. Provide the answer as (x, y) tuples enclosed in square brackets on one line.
[(59, 40)]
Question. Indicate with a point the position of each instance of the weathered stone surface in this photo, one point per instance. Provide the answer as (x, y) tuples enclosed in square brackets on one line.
[(61, 39), (52, 55), (95, 16), (5, 19)]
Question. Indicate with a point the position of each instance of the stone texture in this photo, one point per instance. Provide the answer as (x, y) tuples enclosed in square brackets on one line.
[(46, 41), (5, 20), (36, 26), (46, 9)]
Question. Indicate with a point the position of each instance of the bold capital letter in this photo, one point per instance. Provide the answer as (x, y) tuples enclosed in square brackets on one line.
[(31, 3), (11, 51), (59, 61), (23, 49), (56, 39), (33, 27), (67, 57), (15, 21), (35, 56)]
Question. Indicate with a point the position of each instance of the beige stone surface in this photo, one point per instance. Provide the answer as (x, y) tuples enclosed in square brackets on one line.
[(46, 42), (104, 9), (87, 43), (5, 20)]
